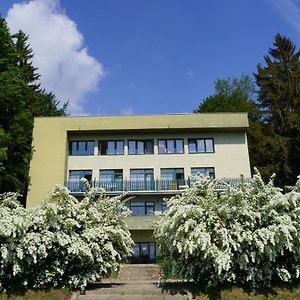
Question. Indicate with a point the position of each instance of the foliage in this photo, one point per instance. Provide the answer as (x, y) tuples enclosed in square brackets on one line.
[(21, 99), (65, 242), (248, 234), (274, 114), (279, 101), (232, 95)]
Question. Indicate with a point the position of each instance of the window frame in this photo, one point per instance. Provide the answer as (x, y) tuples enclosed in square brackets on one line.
[(144, 146), (113, 172), (166, 145), (115, 147), (205, 146), (214, 172), (86, 148), (145, 206)]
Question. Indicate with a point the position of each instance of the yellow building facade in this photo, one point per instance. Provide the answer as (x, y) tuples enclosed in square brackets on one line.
[(150, 157)]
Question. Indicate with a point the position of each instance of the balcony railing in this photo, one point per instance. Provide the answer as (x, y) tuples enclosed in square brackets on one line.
[(147, 185)]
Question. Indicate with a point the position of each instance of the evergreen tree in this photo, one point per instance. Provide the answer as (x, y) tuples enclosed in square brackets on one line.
[(21, 99), (279, 101)]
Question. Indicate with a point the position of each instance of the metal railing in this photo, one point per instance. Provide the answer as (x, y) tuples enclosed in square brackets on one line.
[(147, 185)]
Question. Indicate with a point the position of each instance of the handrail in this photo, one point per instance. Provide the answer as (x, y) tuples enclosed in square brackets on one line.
[(147, 185)]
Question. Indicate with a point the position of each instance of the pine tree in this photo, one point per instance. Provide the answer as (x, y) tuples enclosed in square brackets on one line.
[(279, 100), (21, 99)]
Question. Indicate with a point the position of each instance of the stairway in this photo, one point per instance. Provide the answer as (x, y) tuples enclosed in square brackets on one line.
[(134, 282), (139, 272)]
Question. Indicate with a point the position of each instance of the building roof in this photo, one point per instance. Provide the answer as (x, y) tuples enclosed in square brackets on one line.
[(158, 122)]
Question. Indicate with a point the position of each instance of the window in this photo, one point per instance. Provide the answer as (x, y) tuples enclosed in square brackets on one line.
[(111, 147), (171, 179), (76, 175), (172, 174), (164, 206), (111, 175), (142, 208), (143, 252), (204, 171), (111, 180), (170, 146), (141, 174), (81, 148), (140, 147), (75, 184), (205, 145), (141, 180)]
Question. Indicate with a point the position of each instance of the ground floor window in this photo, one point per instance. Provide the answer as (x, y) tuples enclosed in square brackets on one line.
[(142, 208), (143, 252)]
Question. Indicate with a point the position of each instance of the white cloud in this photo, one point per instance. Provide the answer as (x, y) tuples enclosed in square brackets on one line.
[(289, 10), (127, 110), (190, 74), (65, 66)]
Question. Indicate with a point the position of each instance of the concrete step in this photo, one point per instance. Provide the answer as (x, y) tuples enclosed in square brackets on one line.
[(139, 272), (133, 297)]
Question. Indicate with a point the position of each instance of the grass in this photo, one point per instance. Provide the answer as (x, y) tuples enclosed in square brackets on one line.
[(240, 294), (287, 292), (39, 295)]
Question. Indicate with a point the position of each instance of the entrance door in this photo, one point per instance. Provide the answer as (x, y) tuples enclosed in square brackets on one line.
[(143, 253)]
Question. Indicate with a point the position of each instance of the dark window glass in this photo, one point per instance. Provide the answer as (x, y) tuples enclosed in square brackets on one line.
[(76, 175), (140, 147), (111, 175), (170, 146), (111, 147), (142, 208), (141, 174), (81, 148), (172, 174), (205, 145), (204, 171), (164, 206)]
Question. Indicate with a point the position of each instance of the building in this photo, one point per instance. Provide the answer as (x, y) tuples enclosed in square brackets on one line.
[(151, 157)]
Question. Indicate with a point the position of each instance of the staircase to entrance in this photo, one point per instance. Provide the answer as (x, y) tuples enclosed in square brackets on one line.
[(134, 282)]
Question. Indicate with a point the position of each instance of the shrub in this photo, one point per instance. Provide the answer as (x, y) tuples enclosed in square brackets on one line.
[(65, 242), (249, 234)]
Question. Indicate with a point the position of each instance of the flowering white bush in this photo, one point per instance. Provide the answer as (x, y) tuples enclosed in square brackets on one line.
[(248, 234), (65, 242)]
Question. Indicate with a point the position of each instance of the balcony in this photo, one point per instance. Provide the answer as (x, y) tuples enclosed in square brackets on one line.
[(147, 186)]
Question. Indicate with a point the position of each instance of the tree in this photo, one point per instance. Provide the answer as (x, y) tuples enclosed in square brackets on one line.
[(248, 234), (232, 95), (21, 99), (279, 101), (238, 95), (64, 242)]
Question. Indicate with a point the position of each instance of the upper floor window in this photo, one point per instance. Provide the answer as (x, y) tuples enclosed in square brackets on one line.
[(111, 175), (140, 147), (76, 175), (204, 171), (111, 147), (141, 174), (75, 184), (111, 180), (203, 145), (142, 208), (172, 174), (170, 146), (141, 180), (81, 148)]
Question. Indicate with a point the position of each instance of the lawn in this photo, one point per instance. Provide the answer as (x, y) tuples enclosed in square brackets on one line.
[(287, 292), (31, 295)]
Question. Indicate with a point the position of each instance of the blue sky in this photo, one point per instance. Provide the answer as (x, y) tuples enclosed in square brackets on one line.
[(147, 56)]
